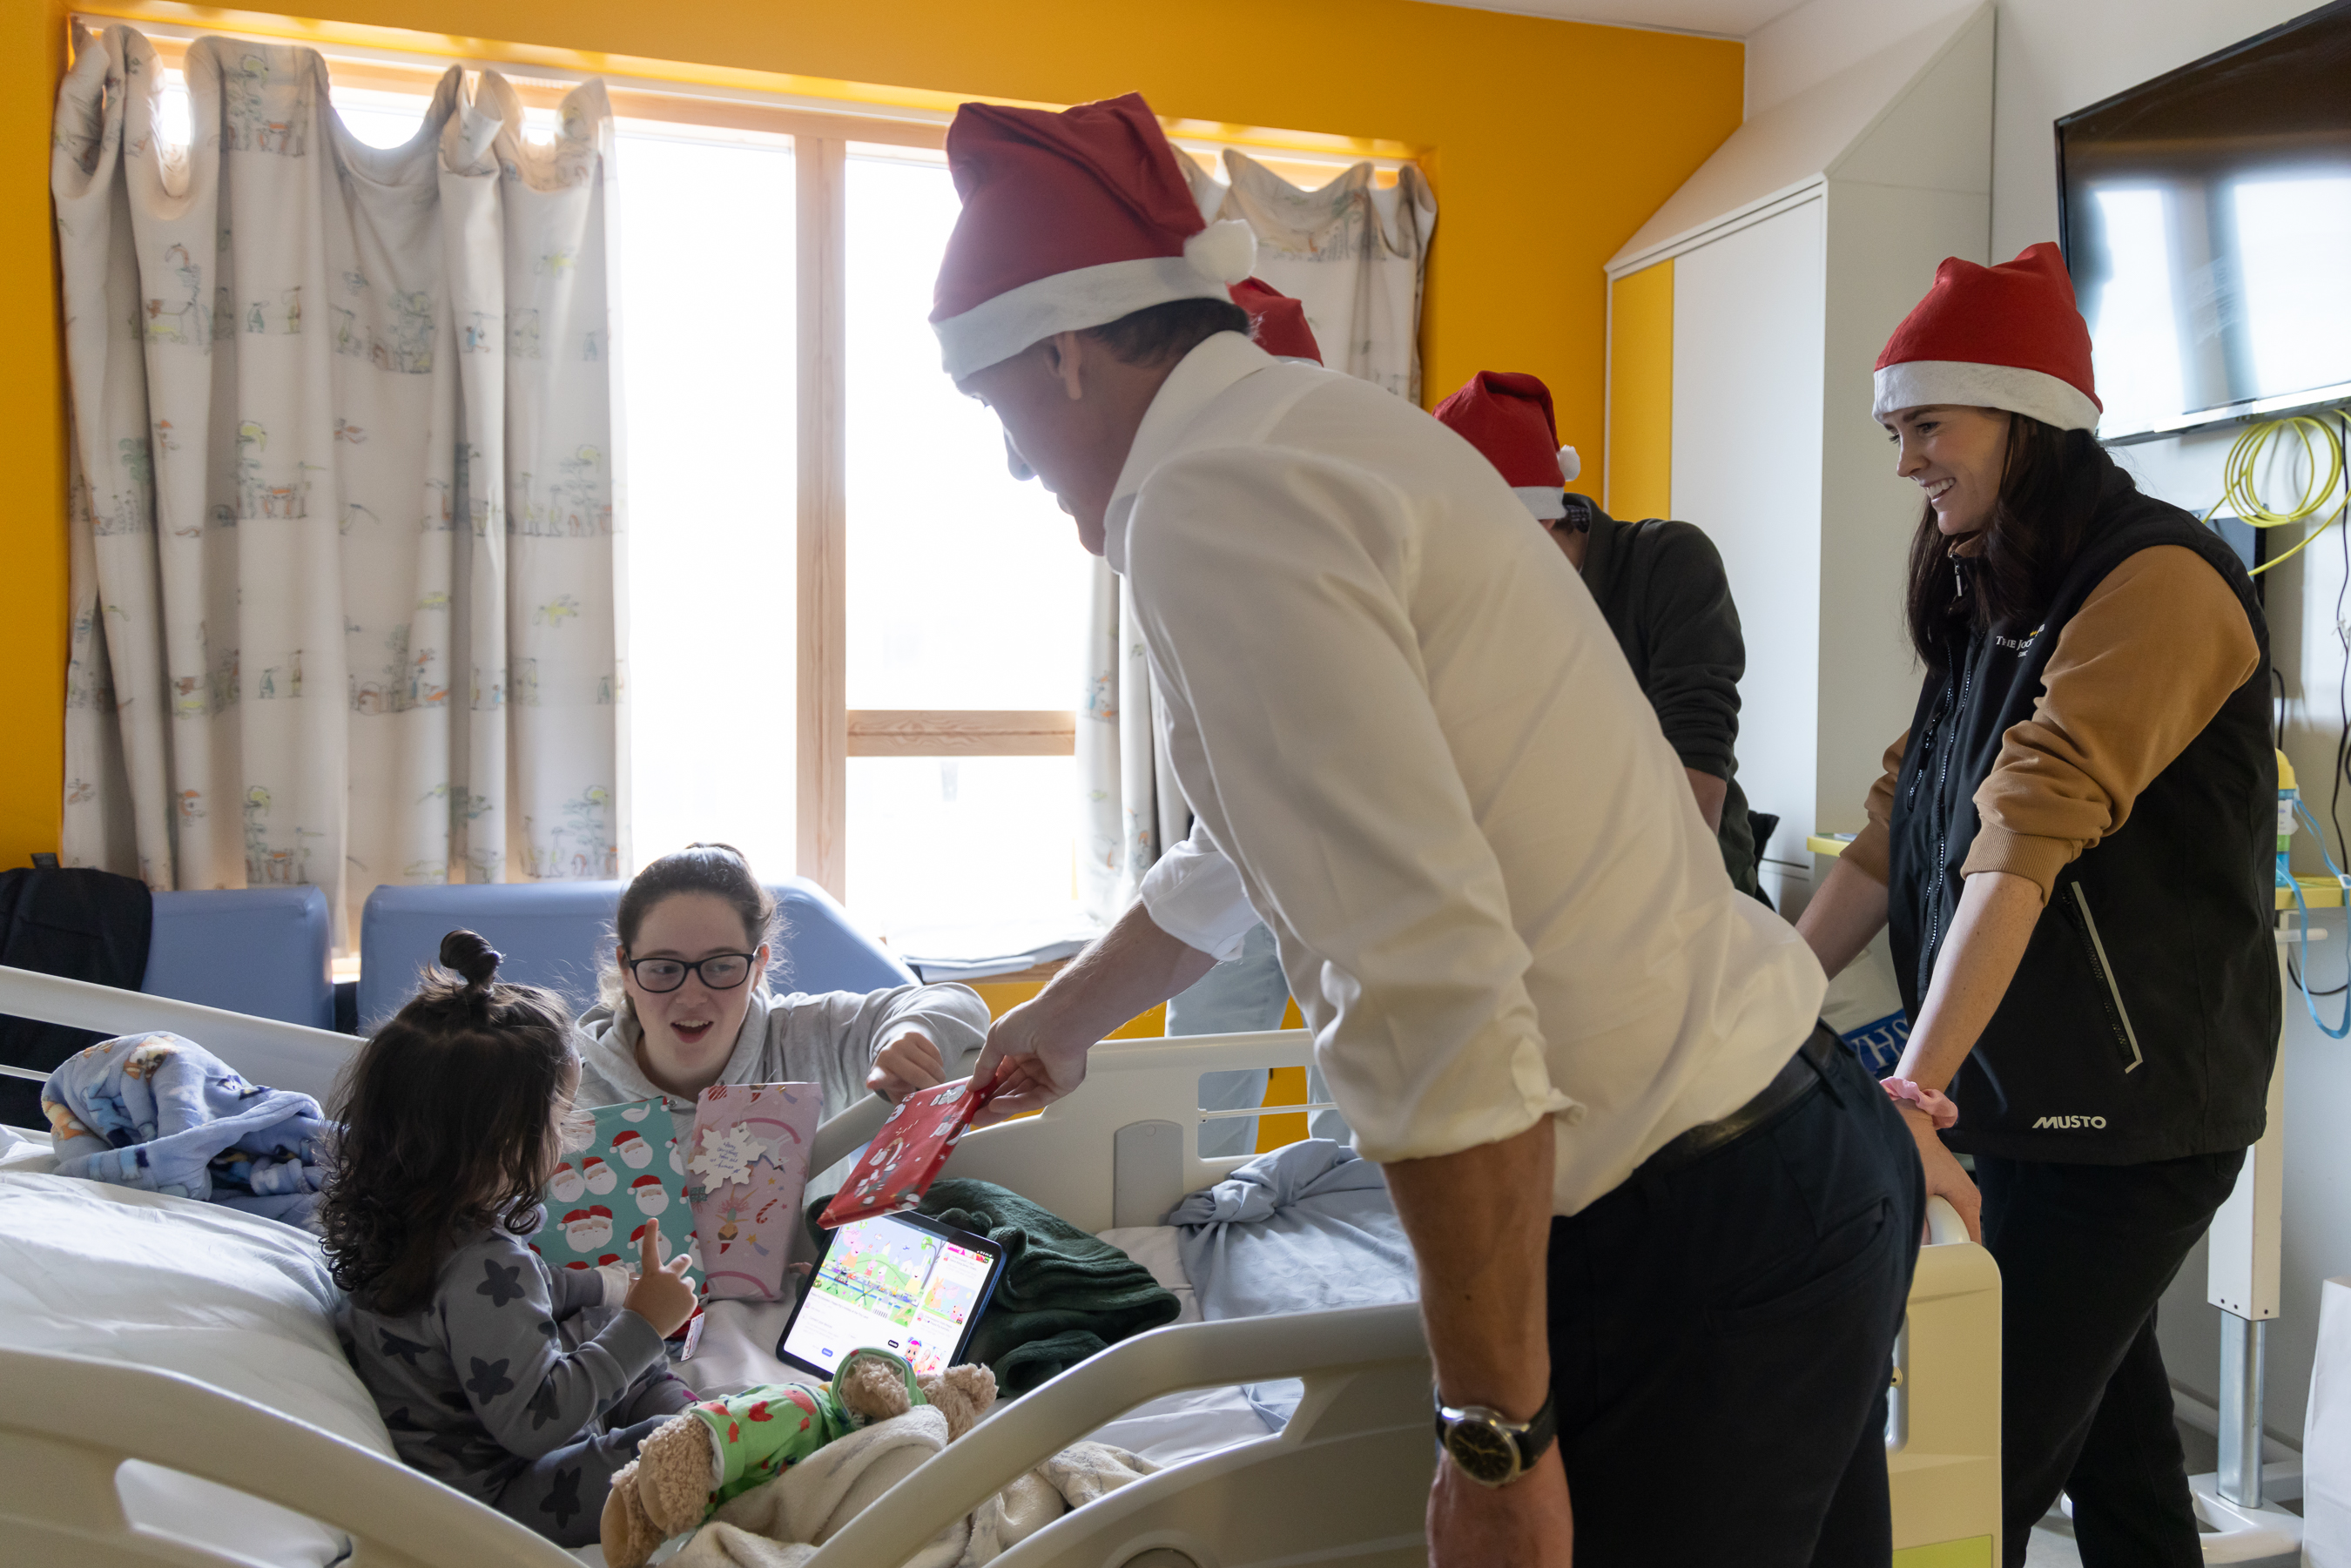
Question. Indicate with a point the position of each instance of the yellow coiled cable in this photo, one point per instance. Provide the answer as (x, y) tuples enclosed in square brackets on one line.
[(2239, 495)]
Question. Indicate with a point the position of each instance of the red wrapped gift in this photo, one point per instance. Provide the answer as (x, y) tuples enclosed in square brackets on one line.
[(905, 1155)]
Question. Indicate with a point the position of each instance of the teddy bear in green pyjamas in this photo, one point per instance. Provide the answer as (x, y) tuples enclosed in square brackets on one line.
[(720, 1448)]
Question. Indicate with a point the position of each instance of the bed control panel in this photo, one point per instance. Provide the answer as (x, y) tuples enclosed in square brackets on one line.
[(1146, 1172)]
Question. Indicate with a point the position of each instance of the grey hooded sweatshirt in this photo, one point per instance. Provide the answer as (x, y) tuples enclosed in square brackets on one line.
[(830, 1041)]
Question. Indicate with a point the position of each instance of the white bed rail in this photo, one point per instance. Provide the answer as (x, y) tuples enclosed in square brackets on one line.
[(281, 1055), (68, 1422), (1366, 1374)]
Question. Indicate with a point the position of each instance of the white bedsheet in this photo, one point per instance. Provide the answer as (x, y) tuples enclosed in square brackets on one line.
[(237, 1302)]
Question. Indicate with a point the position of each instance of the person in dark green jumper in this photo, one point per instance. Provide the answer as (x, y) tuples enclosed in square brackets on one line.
[(1659, 585)]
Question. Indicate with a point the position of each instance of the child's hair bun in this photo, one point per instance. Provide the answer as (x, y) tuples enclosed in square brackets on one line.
[(470, 953)]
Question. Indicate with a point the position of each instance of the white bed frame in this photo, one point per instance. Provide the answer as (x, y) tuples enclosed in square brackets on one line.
[(1343, 1483)]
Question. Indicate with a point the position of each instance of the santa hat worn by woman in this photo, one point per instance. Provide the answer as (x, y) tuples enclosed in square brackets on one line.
[(1069, 221), (2007, 337), (1506, 416)]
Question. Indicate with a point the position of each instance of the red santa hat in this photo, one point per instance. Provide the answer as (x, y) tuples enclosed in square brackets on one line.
[(598, 1211), (575, 1217), (1069, 221), (643, 1182), (1277, 321), (2006, 337), (1506, 416), (626, 1136)]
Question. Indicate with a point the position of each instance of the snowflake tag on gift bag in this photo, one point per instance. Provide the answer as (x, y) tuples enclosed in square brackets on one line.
[(746, 1166)]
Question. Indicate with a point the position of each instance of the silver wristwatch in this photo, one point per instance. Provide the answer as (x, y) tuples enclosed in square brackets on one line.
[(1489, 1449)]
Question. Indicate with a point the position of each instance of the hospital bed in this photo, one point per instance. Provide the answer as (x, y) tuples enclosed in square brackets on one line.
[(1343, 1482)]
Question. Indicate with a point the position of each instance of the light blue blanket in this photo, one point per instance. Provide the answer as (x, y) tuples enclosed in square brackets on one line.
[(1305, 1228), (163, 1113)]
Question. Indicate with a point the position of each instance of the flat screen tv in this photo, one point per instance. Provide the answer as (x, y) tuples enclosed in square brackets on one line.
[(2206, 217)]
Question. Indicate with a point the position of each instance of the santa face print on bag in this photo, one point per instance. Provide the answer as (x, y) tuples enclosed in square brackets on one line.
[(647, 1191), (631, 1150), (597, 1175), (588, 1228), (566, 1184)]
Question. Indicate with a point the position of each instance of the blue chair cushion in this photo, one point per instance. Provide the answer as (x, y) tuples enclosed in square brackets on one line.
[(558, 934), (262, 951)]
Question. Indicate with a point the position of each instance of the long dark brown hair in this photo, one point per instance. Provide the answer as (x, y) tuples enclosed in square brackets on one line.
[(2050, 484), (447, 1127)]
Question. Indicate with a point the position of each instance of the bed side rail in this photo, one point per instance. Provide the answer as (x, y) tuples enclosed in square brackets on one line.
[(281, 1055), (1325, 1348), (60, 1448)]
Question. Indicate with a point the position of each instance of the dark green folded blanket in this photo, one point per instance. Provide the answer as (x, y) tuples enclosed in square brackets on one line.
[(1063, 1295)]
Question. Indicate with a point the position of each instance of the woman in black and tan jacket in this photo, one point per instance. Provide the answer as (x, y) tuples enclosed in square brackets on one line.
[(2071, 846)]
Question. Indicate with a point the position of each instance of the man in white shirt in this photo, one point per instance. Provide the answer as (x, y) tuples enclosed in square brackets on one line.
[(1655, 1209)]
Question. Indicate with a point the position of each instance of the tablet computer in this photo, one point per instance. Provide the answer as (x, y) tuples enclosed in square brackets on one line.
[(899, 1282)]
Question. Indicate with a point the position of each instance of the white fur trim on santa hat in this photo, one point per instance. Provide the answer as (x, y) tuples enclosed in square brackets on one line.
[(1569, 464), (2036, 394), (996, 329), (1547, 502), (1225, 250)]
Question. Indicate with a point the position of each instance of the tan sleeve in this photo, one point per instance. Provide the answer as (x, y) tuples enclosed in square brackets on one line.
[(1871, 847), (2138, 672)]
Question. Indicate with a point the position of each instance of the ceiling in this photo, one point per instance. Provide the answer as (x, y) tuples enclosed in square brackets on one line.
[(1723, 19)]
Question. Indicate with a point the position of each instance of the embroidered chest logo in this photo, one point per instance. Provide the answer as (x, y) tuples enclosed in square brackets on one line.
[(2017, 644), (2068, 1124)]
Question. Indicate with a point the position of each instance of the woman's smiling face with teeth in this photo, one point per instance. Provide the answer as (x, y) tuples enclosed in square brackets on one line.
[(688, 1033), (1957, 455)]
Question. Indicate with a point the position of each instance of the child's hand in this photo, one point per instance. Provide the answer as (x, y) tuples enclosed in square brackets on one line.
[(661, 1295), (907, 1063)]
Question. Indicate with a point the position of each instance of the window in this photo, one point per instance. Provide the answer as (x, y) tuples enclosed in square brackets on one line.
[(852, 640)]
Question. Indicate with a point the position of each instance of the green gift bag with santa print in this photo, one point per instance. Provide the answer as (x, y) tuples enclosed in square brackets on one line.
[(747, 1166), (620, 1172)]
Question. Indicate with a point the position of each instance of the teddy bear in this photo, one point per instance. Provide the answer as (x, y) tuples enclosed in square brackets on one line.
[(701, 1457)]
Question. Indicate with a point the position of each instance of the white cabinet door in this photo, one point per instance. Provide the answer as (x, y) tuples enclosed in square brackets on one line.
[(1748, 323)]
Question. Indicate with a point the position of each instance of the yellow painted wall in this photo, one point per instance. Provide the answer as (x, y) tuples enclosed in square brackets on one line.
[(1547, 142), (32, 441), (1641, 395)]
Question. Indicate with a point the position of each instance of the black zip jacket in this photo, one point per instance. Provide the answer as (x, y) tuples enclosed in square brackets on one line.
[(2143, 1020)]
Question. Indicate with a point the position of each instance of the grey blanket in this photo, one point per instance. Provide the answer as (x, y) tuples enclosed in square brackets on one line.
[(1302, 1228)]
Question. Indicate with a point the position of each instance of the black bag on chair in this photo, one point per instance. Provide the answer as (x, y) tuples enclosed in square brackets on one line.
[(83, 925)]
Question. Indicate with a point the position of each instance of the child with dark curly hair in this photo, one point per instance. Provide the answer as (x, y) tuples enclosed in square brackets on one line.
[(520, 1386)]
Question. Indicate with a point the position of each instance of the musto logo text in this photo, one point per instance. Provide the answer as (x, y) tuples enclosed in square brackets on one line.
[(2063, 1122)]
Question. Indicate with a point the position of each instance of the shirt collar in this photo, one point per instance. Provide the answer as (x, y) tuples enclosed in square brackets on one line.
[(1198, 379)]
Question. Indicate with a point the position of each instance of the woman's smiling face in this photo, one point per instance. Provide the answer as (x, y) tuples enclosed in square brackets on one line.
[(688, 1033), (1958, 455)]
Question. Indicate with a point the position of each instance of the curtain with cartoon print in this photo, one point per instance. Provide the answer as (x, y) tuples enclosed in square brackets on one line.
[(1356, 258), (342, 523)]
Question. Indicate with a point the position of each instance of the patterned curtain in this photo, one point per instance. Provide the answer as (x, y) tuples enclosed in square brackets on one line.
[(342, 524), (1356, 257)]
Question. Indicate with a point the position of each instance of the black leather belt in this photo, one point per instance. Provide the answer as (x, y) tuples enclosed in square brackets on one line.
[(1804, 1073)]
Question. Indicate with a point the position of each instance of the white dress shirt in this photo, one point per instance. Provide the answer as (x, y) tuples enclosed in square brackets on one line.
[(1413, 748)]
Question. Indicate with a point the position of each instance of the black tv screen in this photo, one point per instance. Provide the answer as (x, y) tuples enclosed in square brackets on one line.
[(2206, 217)]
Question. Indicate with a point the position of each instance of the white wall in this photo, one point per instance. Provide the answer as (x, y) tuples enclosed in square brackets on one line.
[(2055, 56)]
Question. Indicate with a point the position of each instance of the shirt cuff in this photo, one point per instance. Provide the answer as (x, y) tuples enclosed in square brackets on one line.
[(617, 1281), (631, 1340), (1195, 896), (1871, 854), (2037, 860)]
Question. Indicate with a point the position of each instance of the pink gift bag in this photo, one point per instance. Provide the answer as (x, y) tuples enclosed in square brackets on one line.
[(745, 1171)]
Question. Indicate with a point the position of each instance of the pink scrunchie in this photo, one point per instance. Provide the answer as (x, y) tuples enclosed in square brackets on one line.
[(1938, 1108)]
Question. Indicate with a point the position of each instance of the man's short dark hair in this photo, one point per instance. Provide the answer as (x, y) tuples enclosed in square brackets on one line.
[(1161, 334)]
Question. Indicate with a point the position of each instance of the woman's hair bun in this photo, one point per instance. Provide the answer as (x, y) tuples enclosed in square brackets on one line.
[(470, 953)]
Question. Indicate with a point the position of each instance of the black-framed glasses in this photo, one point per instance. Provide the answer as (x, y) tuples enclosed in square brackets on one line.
[(720, 971)]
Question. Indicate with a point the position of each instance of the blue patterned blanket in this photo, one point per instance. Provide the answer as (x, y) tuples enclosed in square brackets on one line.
[(163, 1113)]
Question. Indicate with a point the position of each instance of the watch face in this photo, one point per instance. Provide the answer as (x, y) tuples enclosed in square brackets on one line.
[(1484, 1454)]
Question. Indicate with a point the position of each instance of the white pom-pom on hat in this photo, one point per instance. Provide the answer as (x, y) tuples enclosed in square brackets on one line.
[(1225, 251), (1569, 464)]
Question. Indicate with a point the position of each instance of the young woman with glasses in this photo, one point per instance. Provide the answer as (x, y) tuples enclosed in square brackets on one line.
[(686, 1003)]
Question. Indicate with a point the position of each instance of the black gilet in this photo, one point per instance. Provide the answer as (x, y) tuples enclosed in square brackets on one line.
[(2143, 1020)]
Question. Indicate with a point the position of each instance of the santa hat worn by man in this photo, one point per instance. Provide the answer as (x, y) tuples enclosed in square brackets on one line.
[(1069, 221), (2007, 337), (1506, 416), (1277, 322)]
